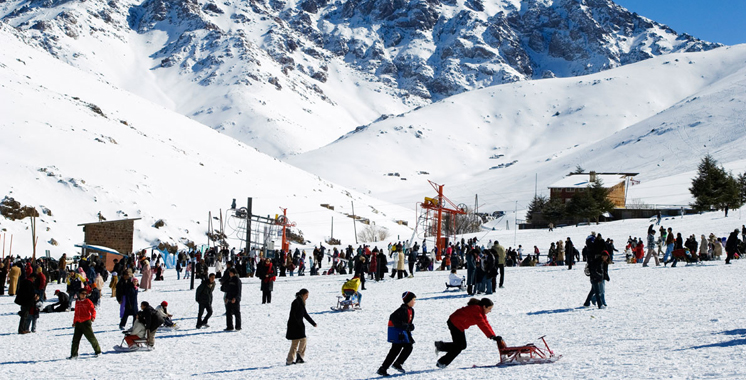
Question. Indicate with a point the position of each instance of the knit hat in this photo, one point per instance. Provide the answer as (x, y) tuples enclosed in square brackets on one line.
[(408, 296), (164, 304)]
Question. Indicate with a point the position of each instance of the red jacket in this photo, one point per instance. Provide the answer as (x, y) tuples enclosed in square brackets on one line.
[(468, 316), (84, 311)]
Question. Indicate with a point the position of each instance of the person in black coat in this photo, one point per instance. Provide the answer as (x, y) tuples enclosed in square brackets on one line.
[(731, 245), (127, 298), (204, 299), (569, 253), (25, 299), (232, 289), (296, 332), (599, 269), (151, 319), (400, 335)]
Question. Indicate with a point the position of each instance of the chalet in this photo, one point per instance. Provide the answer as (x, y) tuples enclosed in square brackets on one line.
[(617, 183)]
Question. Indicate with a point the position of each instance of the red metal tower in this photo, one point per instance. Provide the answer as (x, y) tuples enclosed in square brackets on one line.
[(437, 205)]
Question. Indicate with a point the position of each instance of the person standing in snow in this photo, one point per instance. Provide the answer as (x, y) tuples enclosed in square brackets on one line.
[(266, 273), (570, 253), (651, 248), (296, 331), (599, 268), (146, 275), (127, 297), (25, 299), (500, 253), (85, 315), (731, 245), (474, 313), (400, 335), (204, 299), (471, 271), (232, 289)]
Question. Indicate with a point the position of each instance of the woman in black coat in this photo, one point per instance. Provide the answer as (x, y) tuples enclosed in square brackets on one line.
[(400, 335), (297, 329)]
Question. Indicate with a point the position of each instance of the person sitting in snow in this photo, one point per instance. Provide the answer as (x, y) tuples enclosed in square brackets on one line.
[(162, 310), (454, 279), (350, 289), (138, 330), (62, 304)]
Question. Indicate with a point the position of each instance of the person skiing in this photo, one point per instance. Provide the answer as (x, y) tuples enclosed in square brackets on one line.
[(232, 289), (296, 331), (85, 315), (203, 297), (400, 335), (474, 313)]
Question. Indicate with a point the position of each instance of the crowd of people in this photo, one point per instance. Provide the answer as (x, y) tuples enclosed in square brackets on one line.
[(484, 265)]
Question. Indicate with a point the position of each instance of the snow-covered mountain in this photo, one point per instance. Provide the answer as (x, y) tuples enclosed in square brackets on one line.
[(73, 145), (658, 117), (291, 76)]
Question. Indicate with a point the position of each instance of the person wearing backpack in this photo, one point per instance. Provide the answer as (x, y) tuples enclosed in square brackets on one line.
[(400, 335)]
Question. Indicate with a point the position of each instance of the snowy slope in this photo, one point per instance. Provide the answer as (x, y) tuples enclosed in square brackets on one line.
[(290, 76), (657, 117), (661, 323), (77, 146)]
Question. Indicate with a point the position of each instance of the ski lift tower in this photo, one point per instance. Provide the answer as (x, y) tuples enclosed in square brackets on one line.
[(438, 207), (282, 220)]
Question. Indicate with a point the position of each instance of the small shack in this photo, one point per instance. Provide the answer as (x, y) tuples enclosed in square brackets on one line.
[(113, 237)]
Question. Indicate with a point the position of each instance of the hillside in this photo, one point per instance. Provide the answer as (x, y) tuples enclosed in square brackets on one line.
[(291, 76), (657, 117), (74, 146)]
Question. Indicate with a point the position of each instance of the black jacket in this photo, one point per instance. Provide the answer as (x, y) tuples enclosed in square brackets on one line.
[(731, 245), (25, 293), (126, 291), (232, 289), (204, 293), (296, 327), (62, 300), (400, 319), (150, 318), (599, 270)]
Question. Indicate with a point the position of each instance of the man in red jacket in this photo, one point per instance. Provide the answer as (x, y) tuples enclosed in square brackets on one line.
[(85, 314)]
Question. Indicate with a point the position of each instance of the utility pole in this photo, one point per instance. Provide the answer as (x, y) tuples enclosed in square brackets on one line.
[(515, 224), (332, 238), (354, 225), (33, 236), (248, 225)]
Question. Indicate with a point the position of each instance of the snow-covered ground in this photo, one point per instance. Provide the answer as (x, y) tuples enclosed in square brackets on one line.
[(680, 323)]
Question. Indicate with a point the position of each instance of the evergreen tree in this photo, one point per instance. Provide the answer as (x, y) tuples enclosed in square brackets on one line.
[(714, 188), (600, 196), (742, 187), (582, 206), (554, 210), (537, 205)]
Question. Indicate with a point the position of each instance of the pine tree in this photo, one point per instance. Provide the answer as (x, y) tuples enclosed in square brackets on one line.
[(742, 187), (582, 206), (554, 210), (600, 196), (714, 188), (537, 205)]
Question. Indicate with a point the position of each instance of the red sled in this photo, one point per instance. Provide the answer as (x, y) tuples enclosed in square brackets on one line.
[(528, 354)]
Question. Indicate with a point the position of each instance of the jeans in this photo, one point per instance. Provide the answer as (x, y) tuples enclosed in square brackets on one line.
[(487, 281), (667, 255), (596, 294), (178, 274)]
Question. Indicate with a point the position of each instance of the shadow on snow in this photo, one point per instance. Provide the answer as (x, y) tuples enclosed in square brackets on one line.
[(555, 311)]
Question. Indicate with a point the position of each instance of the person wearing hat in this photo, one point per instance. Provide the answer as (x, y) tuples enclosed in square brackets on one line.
[(62, 304), (599, 272), (400, 335), (296, 331), (85, 314), (162, 310)]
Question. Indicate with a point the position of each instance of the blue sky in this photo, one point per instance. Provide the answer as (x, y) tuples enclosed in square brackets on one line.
[(721, 21)]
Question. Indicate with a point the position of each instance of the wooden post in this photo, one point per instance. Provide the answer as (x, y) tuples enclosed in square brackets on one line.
[(354, 225), (34, 239), (10, 251)]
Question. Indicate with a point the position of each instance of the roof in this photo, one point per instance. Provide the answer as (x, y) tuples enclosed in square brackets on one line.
[(108, 221), (98, 248), (584, 180)]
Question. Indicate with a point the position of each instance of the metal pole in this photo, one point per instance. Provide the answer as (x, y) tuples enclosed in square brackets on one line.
[(515, 224), (354, 225), (440, 221), (248, 225)]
